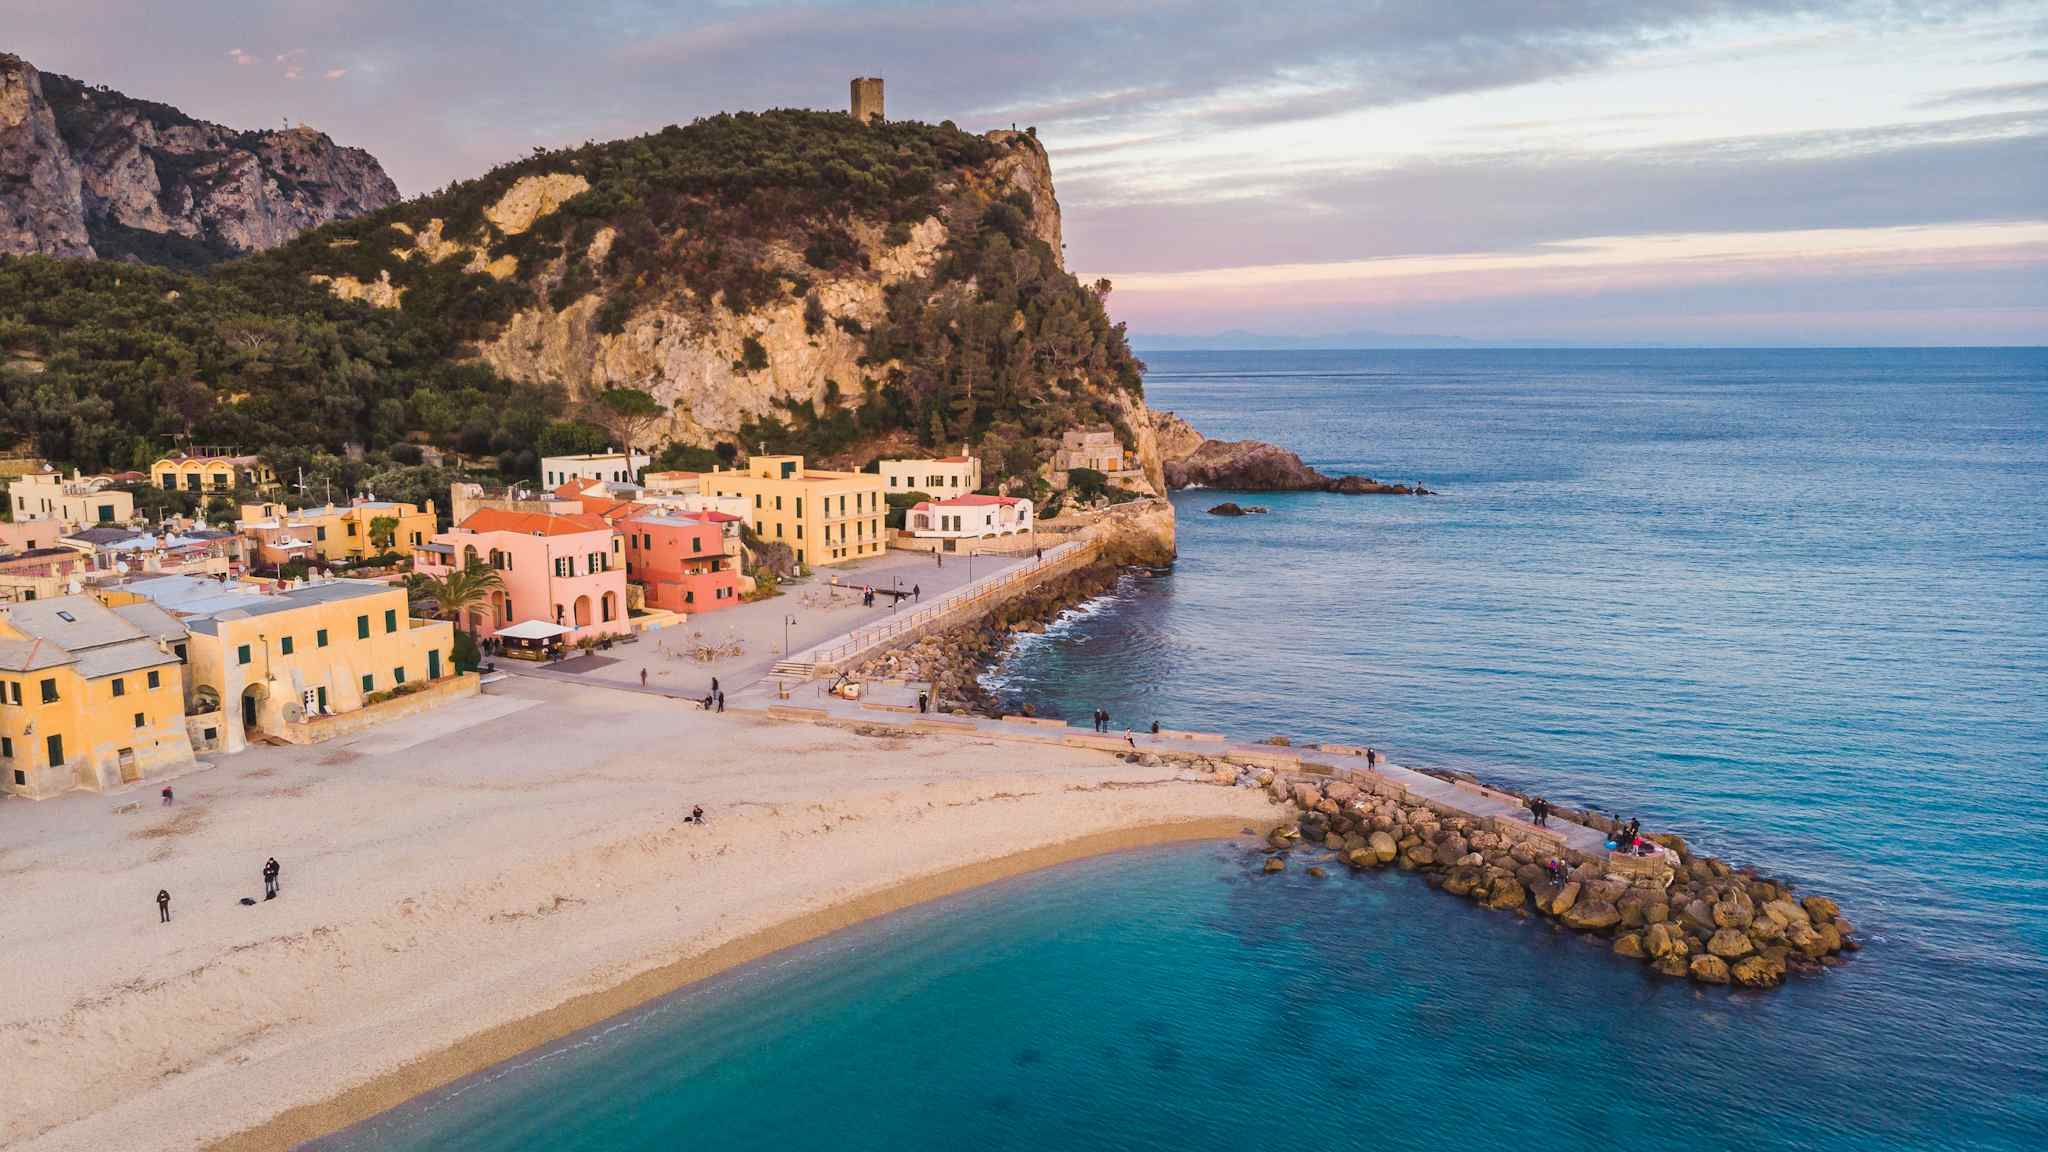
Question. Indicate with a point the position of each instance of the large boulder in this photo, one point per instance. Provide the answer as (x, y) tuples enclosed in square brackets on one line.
[(1307, 796), (1275, 864), (1382, 845), (1709, 969), (1592, 915), (1698, 915), (1820, 909), (1629, 944), (1567, 897), (1343, 792), (1673, 966), (1657, 940), (1460, 881), (1762, 970), (1733, 913), (1786, 913), (1506, 894), (1730, 943)]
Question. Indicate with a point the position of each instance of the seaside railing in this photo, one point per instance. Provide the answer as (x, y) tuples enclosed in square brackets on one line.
[(862, 640)]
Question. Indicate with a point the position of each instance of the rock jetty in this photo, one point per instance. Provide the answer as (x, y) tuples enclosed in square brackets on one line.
[(1190, 460), (1684, 915), (1232, 508)]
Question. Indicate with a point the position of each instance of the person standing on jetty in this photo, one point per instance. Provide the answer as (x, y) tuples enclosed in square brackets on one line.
[(163, 905), (1371, 758)]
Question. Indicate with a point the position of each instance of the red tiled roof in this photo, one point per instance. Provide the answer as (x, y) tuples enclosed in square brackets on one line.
[(533, 523), (710, 516), (570, 489), (978, 501)]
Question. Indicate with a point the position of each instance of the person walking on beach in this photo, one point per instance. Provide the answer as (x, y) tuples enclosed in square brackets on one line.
[(916, 593), (167, 795), (270, 871), (721, 703), (163, 905)]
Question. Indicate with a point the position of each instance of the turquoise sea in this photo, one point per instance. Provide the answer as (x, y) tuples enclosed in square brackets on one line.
[(1792, 605)]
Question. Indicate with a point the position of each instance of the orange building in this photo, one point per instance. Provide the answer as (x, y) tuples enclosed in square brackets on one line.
[(680, 560)]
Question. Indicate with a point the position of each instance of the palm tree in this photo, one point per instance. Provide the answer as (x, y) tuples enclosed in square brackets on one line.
[(458, 591)]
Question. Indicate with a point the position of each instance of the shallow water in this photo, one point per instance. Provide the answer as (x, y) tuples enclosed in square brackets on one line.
[(1789, 604)]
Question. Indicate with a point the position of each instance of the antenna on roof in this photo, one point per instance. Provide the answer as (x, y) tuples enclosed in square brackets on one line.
[(302, 482)]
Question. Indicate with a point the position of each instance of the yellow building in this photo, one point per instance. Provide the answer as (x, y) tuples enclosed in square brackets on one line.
[(332, 533), (90, 696), (824, 517), (212, 472), (82, 501), (269, 659)]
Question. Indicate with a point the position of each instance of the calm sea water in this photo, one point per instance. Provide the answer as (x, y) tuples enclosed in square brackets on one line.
[(1789, 604)]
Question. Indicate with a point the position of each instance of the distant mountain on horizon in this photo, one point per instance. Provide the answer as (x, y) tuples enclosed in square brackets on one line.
[(1243, 340)]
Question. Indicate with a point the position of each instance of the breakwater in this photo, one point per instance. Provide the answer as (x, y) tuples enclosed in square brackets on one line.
[(1685, 915)]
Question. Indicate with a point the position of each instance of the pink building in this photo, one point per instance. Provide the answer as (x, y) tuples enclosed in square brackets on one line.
[(680, 560), (29, 535), (568, 570)]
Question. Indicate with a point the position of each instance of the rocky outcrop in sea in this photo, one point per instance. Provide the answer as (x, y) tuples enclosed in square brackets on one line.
[(1190, 460)]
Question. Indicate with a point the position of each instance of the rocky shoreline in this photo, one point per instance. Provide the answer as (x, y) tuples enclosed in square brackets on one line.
[(1685, 915), (1190, 460), (953, 660)]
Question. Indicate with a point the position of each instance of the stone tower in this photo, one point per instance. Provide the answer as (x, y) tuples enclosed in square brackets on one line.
[(867, 99)]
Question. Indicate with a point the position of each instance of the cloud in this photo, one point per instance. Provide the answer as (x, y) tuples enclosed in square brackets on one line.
[(1990, 94)]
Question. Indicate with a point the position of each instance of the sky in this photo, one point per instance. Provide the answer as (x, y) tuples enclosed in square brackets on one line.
[(1710, 172)]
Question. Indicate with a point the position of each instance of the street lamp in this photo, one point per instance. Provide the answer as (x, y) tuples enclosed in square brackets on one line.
[(786, 622), (896, 586)]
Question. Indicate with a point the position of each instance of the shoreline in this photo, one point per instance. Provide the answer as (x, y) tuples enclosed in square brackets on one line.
[(308, 1122)]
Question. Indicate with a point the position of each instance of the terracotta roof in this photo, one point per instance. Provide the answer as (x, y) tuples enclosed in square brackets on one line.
[(712, 516), (532, 523), (977, 501)]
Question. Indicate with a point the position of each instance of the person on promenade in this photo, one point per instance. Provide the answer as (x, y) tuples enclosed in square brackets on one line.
[(1130, 740), (696, 814), (167, 795), (1155, 727), (643, 677), (714, 683), (924, 701), (1371, 758), (163, 905), (721, 703), (710, 698), (270, 871), (916, 593)]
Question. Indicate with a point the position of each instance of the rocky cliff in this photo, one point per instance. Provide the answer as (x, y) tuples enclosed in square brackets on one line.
[(1190, 460), (89, 171)]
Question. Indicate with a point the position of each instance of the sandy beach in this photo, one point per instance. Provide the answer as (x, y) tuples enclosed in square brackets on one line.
[(466, 884)]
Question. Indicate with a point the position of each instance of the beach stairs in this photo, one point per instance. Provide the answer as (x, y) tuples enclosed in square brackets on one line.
[(799, 669)]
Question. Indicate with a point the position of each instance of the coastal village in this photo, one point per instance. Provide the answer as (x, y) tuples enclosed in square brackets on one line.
[(512, 756)]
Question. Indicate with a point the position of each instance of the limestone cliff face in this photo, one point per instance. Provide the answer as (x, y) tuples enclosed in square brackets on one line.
[(42, 209), (692, 357), (88, 171)]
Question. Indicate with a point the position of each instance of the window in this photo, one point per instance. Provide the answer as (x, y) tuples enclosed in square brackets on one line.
[(362, 627), (391, 620), (20, 777), (180, 650), (242, 654), (799, 531), (757, 500), (139, 721), (320, 638), (398, 675), (156, 680), (351, 528), (7, 751), (66, 617), (285, 645), (369, 683), (799, 505), (319, 532), (120, 686), (55, 744), (696, 543), (14, 692), (778, 503), (49, 691)]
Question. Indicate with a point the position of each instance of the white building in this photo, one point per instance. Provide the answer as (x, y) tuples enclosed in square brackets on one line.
[(84, 501), (969, 517), (613, 467), (944, 476)]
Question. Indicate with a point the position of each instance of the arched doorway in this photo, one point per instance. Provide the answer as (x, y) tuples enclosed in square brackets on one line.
[(499, 614), (611, 606), (252, 705), (583, 611)]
